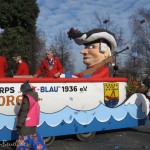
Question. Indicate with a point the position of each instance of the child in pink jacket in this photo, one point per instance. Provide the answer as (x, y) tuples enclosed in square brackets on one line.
[(28, 119)]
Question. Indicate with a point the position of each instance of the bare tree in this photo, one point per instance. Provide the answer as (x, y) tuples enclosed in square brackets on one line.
[(105, 22), (61, 47), (139, 23), (39, 46)]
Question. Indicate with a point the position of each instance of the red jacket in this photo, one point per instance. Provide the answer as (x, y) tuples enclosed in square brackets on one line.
[(101, 72), (22, 69), (50, 72), (3, 66)]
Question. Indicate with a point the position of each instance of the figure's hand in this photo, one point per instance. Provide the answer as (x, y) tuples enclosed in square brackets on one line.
[(35, 76), (57, 75)]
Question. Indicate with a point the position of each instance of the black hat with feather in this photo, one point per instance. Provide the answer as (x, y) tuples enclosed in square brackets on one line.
[(93, 36)]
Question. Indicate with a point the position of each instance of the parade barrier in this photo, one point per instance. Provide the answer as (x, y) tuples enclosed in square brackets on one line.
[(80, 106)]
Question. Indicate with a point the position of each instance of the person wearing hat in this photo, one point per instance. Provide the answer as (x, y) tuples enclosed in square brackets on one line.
[(50, 66), (99, 45), (22, 68), (28, 119)]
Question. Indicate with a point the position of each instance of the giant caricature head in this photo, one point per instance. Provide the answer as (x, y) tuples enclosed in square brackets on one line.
[(99, 43)]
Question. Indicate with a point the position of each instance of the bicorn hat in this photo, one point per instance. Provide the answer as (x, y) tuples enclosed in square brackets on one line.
[(93, 36)]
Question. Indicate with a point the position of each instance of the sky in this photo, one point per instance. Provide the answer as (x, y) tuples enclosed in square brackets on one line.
[(61, 15)]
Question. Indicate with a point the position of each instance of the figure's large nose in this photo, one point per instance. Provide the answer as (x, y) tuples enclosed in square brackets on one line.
[(84, 51)]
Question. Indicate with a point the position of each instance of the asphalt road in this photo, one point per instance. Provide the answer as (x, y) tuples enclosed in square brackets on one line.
[(126, 139)]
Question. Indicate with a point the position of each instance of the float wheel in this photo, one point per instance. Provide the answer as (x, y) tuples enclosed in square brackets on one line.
[(49, 140), (85, 136)]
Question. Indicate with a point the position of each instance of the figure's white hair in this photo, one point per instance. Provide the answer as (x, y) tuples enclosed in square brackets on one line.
[(109, 50)]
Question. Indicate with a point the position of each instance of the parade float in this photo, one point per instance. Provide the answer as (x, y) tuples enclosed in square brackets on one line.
[(80, 106)]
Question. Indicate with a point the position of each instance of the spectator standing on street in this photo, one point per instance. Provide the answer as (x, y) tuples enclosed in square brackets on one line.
[(28, 119), (148, 93), (51, 66), (143, 89)]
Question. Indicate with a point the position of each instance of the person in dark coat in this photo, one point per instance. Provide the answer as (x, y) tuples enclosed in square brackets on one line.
[(28, 119)]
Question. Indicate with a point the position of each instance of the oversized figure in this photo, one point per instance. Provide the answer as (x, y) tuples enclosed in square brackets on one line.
[(99, 45)]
